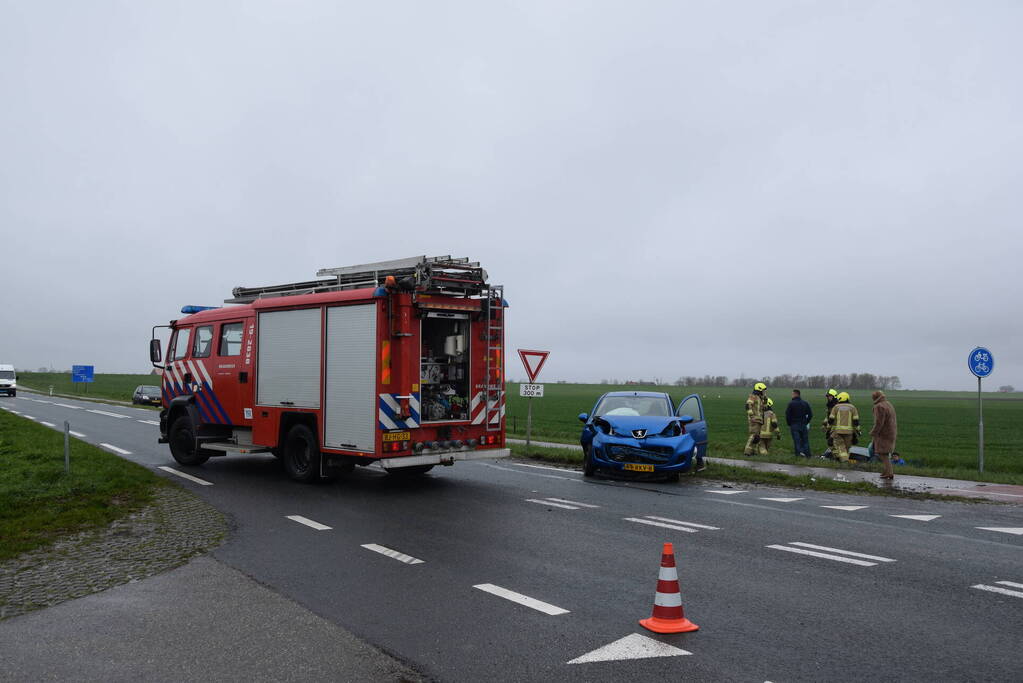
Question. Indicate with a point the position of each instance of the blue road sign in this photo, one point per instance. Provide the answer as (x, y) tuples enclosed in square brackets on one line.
[(981, 362), (81, 373)]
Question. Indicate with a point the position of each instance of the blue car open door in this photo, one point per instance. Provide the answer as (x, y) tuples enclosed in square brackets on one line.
[(692, 405)]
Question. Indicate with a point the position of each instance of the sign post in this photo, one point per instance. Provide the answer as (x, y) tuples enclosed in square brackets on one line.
[(533, 362), (981, 362), (82, 373)]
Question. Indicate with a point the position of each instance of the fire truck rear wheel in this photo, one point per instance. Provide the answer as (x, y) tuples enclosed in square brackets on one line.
[(182, 443), (302, 454)]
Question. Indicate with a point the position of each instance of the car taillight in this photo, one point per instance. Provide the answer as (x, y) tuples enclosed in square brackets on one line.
[(489, 440)]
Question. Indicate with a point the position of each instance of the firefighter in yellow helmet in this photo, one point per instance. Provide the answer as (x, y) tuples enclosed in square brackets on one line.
[(844, 422), (755, 405), (769, 430), (830, 399)]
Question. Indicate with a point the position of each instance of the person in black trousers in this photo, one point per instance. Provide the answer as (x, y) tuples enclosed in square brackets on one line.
[(798, 415)]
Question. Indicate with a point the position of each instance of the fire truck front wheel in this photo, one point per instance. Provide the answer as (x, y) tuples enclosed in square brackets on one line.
[(182, 443), (301, 454)]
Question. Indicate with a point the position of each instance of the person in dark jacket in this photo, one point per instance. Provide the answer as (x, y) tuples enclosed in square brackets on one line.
[(798, 415)]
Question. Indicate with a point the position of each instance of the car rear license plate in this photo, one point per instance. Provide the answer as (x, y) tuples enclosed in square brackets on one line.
[(397, 436), (638, 468)]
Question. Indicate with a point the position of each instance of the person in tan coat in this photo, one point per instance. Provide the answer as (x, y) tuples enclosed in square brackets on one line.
[(883, 432)]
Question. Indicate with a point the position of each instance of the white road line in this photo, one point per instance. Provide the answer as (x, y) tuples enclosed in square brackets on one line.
[(401, 557), (547, 502), (725, 493), (149, 422), (78, 434), (521, 599), (783, 500), (572, 502), (545, 467), (308, 522), (577, 480), (824, 555), (651, 522), (996, 589), (846, 508), (65, 405), (15, 412), (183, 475), (918, 518), (31, 418), (48, 424), (103, 412), (675, 521), (1010, 583), (115, 449), (841, 552), (1016, 531)]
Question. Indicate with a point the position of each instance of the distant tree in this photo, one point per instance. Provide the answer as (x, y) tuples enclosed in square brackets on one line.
[(1006, 388)]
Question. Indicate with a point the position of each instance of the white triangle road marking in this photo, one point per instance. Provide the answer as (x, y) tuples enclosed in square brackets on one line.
[(846, 508), (919, 518), (633, 646), (784, 500), (1018, 531), (726, 493)]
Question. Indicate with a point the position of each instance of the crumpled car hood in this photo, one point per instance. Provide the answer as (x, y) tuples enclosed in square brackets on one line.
[(624, 425)]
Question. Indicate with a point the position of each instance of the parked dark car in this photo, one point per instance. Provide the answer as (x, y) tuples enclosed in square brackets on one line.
[(147, 395)]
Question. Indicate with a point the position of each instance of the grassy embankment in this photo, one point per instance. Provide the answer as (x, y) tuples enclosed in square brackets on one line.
[(114, 387), (39, 502), (937, 430)]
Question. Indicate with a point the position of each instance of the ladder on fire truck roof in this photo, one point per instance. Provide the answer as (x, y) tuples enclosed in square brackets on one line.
[(433, 274), (495, 357)]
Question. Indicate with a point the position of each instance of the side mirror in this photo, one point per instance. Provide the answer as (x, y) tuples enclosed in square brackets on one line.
[(686, 419), (154, 351), (583, 417)]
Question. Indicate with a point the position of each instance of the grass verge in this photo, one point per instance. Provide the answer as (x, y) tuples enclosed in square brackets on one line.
[(745, 475), (40, 503)]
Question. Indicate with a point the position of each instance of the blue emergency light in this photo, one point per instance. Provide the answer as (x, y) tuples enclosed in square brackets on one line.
[(189, 310)]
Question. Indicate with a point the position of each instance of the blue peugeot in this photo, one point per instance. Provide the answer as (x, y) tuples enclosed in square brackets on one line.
[(643, 432)]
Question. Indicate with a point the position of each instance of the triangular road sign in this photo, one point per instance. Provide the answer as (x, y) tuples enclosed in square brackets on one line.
[(533, 362), (634, 646), (1018, 531)]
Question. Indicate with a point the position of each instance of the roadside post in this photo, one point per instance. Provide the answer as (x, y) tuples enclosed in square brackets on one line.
[(981, 362), (67, 447), (83, 374), (533, 361)]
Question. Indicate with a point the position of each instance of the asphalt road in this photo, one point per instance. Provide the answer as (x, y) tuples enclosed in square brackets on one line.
[(892, 598)]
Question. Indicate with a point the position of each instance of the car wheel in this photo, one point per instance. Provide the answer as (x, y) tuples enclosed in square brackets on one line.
[(302, 455), (182, 443), (588, 467)]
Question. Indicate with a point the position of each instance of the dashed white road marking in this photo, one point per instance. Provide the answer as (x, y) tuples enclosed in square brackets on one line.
[(15, 412), (149, 422), (841, 552), (1001, 591), (918, 518), (783, 500), (30, 417), (103, 412), (556, 505), (840, 555), (401, 557), (663, 525), (48, 424), (846, 508), (521, 599), (78, 434), (634, 646), (184, 475), (545, 467), (66, 405), (675, 521), (115, 449), (726, 493), (308, 522), (572, 502), (1017, 531)]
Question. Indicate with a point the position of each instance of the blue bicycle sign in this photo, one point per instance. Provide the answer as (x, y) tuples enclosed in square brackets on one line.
[(981, 362)]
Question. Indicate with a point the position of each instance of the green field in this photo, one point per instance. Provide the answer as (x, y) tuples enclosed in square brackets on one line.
[(937, 430), (116, 387), (39, 502)]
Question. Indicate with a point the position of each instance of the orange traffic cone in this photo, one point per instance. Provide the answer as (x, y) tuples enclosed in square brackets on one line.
[(668, 616)]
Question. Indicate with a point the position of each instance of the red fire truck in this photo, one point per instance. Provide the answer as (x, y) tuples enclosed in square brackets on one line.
[(399, 362)]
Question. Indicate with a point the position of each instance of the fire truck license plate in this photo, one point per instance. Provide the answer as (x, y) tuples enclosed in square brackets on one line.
[(397, 436), (638, 468)]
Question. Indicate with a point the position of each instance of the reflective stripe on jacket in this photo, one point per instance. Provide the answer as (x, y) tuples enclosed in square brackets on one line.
[(844, 419), (769, 429), (755, 408)]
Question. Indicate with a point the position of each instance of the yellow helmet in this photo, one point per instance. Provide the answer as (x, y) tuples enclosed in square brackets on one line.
[(843, 397), (759, 386), (770, 402), (832, 392)]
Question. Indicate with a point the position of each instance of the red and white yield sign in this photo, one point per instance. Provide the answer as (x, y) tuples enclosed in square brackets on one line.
[(533, 362)]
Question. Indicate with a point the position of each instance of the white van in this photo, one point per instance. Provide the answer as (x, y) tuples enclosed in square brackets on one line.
[(8, 380)]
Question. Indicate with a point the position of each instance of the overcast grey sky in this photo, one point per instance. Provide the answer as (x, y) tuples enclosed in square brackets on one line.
[(665, 188)]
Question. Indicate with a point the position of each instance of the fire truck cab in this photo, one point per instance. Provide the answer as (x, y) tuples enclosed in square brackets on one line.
[(399, 363)]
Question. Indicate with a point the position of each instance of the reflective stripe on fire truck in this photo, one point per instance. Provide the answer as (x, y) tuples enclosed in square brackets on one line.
[(476, 409), (495, 409), (390, 409), (206, 401)]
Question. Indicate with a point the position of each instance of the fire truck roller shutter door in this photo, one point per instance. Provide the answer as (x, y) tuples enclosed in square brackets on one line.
[(350, 397), (289, 358)]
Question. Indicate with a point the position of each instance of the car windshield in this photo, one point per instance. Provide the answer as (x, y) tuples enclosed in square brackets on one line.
[(633, 406), (150, 390), (6, 374)]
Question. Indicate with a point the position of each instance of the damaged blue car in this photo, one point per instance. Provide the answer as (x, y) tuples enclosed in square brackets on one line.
[(642, 432)]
